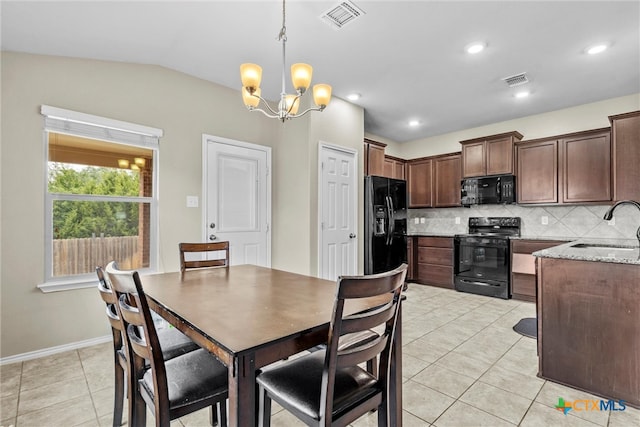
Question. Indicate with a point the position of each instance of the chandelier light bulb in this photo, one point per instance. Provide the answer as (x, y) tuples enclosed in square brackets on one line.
[(321, 95), (301, 76), (251, 100), (123, 163), (599, 48), (251, 75)]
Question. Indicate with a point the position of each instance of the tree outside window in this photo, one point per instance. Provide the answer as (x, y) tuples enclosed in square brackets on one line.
[(100, 194)]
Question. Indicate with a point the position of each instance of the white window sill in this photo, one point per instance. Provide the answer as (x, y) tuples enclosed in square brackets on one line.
[(69, 284)]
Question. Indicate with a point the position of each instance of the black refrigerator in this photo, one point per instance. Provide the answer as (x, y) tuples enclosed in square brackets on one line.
[(385, 224)]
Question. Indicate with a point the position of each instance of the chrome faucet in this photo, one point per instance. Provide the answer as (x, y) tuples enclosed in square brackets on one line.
[(609, 214)]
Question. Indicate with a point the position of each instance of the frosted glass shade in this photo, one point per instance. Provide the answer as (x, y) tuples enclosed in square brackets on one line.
[(292, 99), (250, 100), (321, 94), (301, 76), (123, 163), (251, 75)]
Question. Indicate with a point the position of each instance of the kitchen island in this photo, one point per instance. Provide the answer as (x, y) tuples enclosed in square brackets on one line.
[(588, 311)]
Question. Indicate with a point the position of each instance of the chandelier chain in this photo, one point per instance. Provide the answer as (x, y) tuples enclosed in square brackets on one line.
[(283, 31)]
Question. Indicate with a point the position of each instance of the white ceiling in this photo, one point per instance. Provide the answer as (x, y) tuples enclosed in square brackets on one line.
[(406, 58)]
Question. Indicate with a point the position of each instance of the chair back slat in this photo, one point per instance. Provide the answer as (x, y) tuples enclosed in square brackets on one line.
[(363, 353), (388, 284), (142, 334), (204, 249)]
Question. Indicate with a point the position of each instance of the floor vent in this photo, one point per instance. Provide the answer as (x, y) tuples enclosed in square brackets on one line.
[(516, 80), (342, 14)]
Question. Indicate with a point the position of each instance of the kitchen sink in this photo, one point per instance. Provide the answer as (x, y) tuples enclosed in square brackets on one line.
[(603, 247)]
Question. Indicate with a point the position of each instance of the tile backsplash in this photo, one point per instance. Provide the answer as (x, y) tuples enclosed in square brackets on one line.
[(537, 221)]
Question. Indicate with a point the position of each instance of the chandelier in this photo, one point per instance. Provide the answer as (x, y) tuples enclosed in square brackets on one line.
[(251, 74)]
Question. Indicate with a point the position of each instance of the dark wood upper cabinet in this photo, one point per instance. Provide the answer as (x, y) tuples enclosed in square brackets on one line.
[(491, 155), (419, 176), (625, 140), (586, 167), (394, 167), (537, 171), (572, 168), (373, 157), (447, 172)]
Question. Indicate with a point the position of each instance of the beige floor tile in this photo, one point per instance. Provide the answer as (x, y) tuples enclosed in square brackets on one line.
[(412, 365), (68, 357), (10, 379), (484, 350), (408, 420), (542, 416), (520, 359), (464, 365), (49, 374), (443, 380), (10, 422), (630, 417), (424, 350), (423, 402), (463, 415), (551, 391), (197, 419), (523, 385), (285, 419), (66, 413), (497, 402), (104, 350), (52, 395), (8, 406), (445, 338), (103, 401), (100, 377)]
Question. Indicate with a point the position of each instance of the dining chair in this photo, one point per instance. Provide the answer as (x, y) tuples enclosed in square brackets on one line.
[(203, 248), (172, 341), (328, 387), (170, 388)]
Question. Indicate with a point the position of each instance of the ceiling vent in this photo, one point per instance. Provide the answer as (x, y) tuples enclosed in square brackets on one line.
[(516, 80), (342, 14)]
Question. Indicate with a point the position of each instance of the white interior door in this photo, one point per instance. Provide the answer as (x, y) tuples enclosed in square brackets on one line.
[(238, 199), (338, 212)]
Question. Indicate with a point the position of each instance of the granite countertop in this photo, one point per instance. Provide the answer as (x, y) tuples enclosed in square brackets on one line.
[(546, 238), (620, 251)]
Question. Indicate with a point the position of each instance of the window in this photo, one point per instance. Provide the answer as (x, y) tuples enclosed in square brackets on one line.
[(100, 198)]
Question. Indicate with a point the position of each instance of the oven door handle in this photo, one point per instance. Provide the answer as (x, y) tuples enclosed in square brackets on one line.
[(473, 282)]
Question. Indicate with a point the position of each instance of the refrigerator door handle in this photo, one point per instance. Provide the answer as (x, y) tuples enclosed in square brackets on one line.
[(390, 224)]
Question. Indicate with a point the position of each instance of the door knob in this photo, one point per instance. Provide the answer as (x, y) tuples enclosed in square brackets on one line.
[(352, 236), (212, 225), (212, 237)]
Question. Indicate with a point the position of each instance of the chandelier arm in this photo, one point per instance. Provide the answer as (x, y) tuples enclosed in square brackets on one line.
[(293, 116), (271, 116), (264, 101)]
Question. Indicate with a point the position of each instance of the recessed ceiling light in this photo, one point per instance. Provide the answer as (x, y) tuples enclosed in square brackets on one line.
[(598, 48), (475, 47), (353, 96), (522, 94), (414, 123)]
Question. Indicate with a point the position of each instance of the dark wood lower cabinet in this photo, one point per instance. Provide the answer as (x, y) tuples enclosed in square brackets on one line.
[(589, 326), (434, 256)]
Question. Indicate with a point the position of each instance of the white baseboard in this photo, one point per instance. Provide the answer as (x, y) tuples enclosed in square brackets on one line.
[(54, 350)]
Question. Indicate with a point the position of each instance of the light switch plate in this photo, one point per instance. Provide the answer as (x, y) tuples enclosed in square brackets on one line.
[(423, 220), (416, 220), (544, 220), (192, 201), (457, 220)]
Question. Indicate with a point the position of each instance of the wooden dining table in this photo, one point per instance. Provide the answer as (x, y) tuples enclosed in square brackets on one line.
[(250, 316)]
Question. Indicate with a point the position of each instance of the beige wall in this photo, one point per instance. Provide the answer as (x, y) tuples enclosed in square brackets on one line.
[(184, 107), (583, 117)]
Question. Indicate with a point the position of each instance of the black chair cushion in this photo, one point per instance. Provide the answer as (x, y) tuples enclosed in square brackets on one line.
[(297, 384), (191, 377), (175, 343)]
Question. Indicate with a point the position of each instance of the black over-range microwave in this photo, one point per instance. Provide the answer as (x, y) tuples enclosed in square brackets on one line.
[(488, 190)]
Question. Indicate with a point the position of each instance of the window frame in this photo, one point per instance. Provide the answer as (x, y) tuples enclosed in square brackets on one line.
[(57, 120)]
